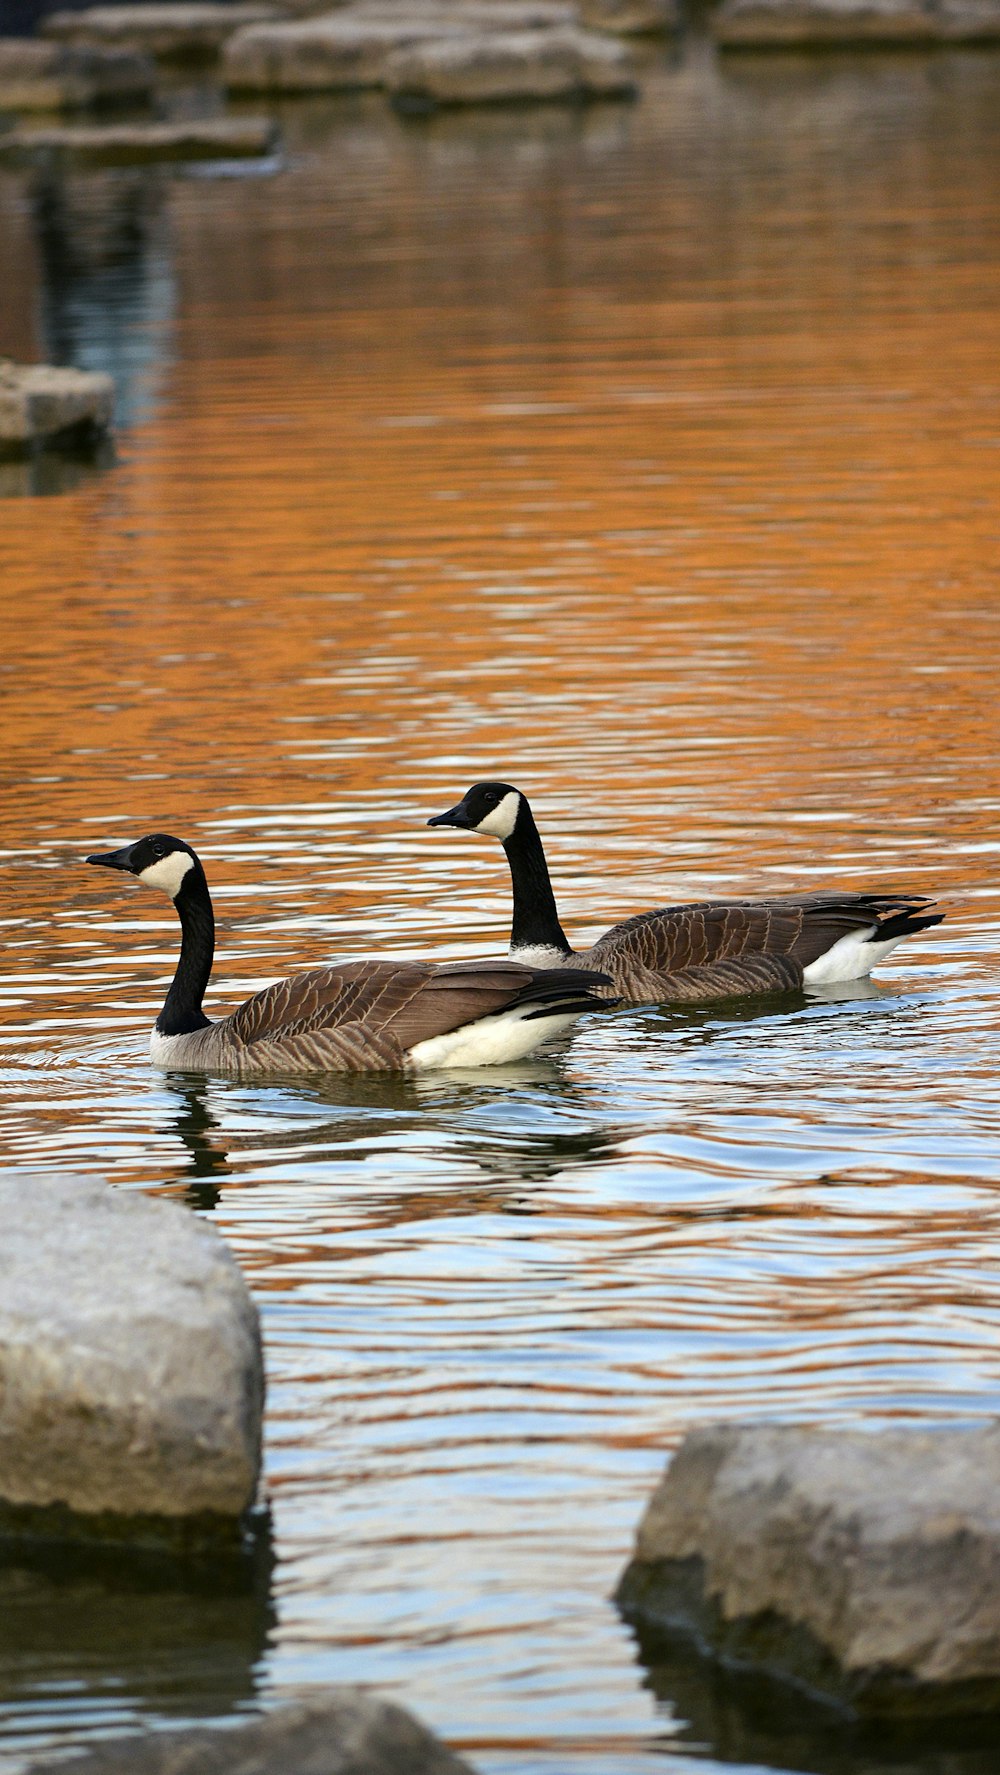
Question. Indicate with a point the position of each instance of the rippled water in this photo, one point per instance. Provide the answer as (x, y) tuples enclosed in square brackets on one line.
[(646, 457)]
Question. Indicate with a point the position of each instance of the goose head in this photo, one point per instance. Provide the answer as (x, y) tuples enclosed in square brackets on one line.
[(157, 860), (492, 808)]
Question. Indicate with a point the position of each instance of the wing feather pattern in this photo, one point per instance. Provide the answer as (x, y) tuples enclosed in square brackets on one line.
[(717, 949)]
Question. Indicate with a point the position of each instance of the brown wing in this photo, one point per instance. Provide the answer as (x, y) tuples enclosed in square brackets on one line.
[(695, 936), (456, 993), (333, 1017), (690, 952), (371, 1013)]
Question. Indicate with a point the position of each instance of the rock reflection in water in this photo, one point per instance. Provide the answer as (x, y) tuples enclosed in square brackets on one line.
[(44, 472), (129, 1634), (742, 1718), (107, 287)]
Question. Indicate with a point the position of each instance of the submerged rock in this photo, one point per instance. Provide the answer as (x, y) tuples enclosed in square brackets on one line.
[(40, 76), (776, 24), (131, 1382), (44, 402), (169, 28), (122, 144), (865, 1566), (509, 67), (348, 1732)]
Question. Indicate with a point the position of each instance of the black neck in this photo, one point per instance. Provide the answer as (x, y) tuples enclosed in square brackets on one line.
[(182, 1010), (536, 920)]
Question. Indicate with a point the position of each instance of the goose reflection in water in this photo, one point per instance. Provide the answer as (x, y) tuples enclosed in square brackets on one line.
[(494, 1132), (489, 1133), (768, 1010)]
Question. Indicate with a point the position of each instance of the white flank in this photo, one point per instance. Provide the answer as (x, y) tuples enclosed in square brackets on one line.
[(168, 872), (501, 822), (491, 1041), (850, 958)]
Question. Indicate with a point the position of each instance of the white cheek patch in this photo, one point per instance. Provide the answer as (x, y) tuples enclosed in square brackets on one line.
[(501, 822), (168, 872)]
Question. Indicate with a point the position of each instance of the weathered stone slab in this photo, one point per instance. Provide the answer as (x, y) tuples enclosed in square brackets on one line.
[(178, 29), (44, 401), (476, 15), (777, 24), (509, 67), (473, 15), (337, 52), (40, 76), (631, 18), (865, 1566), (348, 1732), (345, 49), (211, 138), (131, 1384)]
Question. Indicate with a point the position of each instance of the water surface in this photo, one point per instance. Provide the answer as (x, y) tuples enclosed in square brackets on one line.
[(646, 457)]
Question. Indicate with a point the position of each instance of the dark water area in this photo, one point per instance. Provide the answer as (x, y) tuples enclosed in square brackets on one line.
[(645, 456)]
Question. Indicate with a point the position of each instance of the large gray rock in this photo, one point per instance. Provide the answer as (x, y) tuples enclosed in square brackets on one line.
[(348, 1732), (170, 28), (125, 144), (41, 401), (509, 67), (777, 24), (40, 76), (866, 1565), (131, 1382)]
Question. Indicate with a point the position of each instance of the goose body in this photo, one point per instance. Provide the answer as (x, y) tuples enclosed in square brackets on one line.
[(710, 949), (389, 1015)]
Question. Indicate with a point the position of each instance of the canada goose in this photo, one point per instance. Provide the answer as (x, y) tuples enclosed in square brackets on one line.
[(711, 949), (362, 1015)]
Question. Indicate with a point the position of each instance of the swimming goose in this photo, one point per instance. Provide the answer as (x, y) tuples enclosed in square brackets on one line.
[(711, 949), (366, 1014)]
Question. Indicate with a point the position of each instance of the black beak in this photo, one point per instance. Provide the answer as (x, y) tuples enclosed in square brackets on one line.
[(115, 859), (456, 816)]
